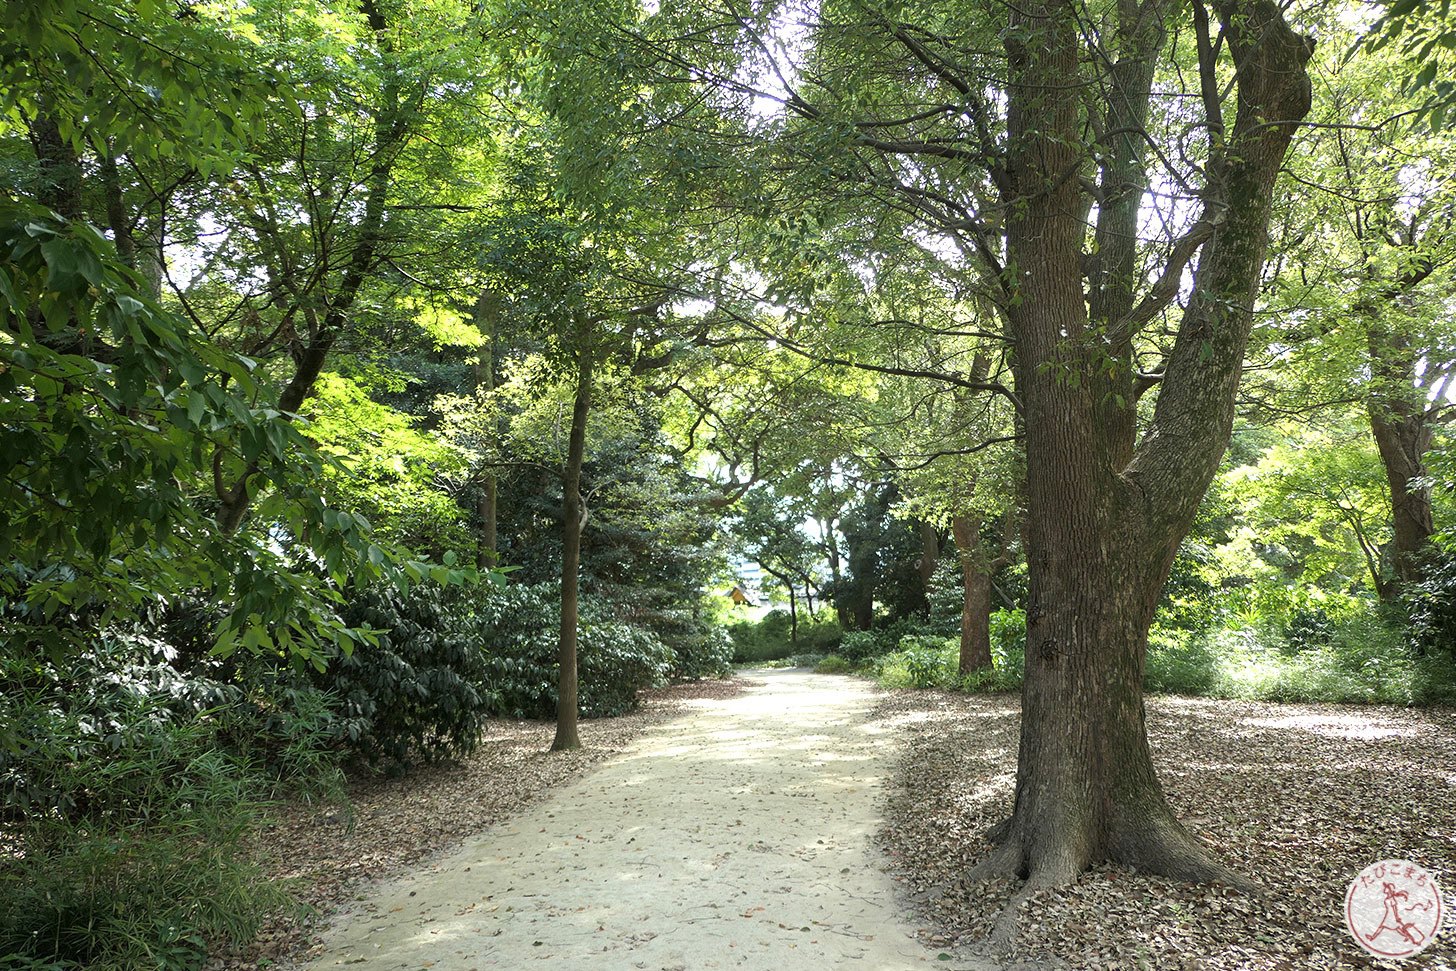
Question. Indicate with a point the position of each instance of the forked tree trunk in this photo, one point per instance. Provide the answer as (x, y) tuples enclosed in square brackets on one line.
[(573, 519), (1401, 426), (975, 651), (1104, 519)]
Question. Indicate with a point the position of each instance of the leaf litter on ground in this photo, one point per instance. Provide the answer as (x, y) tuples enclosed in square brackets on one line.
[(1299, 797)]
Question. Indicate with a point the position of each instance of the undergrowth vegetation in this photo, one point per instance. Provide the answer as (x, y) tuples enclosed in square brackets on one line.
[(137, 774)]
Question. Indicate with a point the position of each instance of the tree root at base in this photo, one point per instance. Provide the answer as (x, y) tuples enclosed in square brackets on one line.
[(1159, 847)]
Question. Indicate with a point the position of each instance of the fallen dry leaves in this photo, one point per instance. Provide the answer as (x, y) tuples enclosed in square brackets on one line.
[(1299, 797), (326, 852)]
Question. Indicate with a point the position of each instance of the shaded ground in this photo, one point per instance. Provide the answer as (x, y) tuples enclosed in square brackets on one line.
[(736, 836), (1300, 797), (327, 852)]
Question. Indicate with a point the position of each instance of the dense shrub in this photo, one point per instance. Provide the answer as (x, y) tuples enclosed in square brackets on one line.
[(519, 627), (764, 640), (421, 691), (1309, 628), (1008, 647), (127, 814), (1431, 604), (1365, 660), (860, 646), (704, 653), (1179, 662), (921, 662), (769, 638)]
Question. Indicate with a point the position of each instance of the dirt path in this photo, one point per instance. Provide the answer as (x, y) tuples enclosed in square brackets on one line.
[(735, 837)]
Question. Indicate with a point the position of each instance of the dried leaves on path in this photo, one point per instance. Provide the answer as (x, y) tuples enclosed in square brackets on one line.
[(390, 823), (1298, 797)]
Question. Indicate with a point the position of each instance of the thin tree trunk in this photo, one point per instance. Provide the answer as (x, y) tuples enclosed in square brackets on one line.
[(793, 615), (573, 519), (976, 602), (487, 319), (309, 355)]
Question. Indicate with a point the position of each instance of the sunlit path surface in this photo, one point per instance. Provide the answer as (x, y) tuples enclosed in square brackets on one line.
[(735, 837)]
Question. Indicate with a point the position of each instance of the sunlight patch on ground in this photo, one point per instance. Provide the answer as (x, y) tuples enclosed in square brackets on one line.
[(1335, 726)]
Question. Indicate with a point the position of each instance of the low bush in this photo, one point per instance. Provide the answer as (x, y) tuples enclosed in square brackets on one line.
[(764, 640), (861, 646), (769, 639), (921, 662), (808, 659), (519, 627), (820, 635), (834, 664), (1365, 660)]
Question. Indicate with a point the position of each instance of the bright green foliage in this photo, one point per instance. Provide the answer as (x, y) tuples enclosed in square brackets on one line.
[(386, 469), (149, 82), (97, 513), (1362, 660), (1313, 515), (834, 664), (768, 638)]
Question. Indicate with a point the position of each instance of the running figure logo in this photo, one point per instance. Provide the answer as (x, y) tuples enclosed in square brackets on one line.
[(1394, 909)]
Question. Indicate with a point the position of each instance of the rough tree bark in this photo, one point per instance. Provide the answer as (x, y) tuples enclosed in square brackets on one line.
[(573, 520), (1402, 405), (1104, 519)]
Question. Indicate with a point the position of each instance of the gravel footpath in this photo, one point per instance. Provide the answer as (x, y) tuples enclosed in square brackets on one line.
[(327, 853), (739, 835)]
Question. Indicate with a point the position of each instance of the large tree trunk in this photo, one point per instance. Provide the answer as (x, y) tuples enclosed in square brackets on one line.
[(573, 519), (976, 596), (1103, 520), (1401, 426)]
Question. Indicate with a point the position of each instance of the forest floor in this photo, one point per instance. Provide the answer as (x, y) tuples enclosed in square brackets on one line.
[(735, 824), (737, 835), (1298, 797)]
